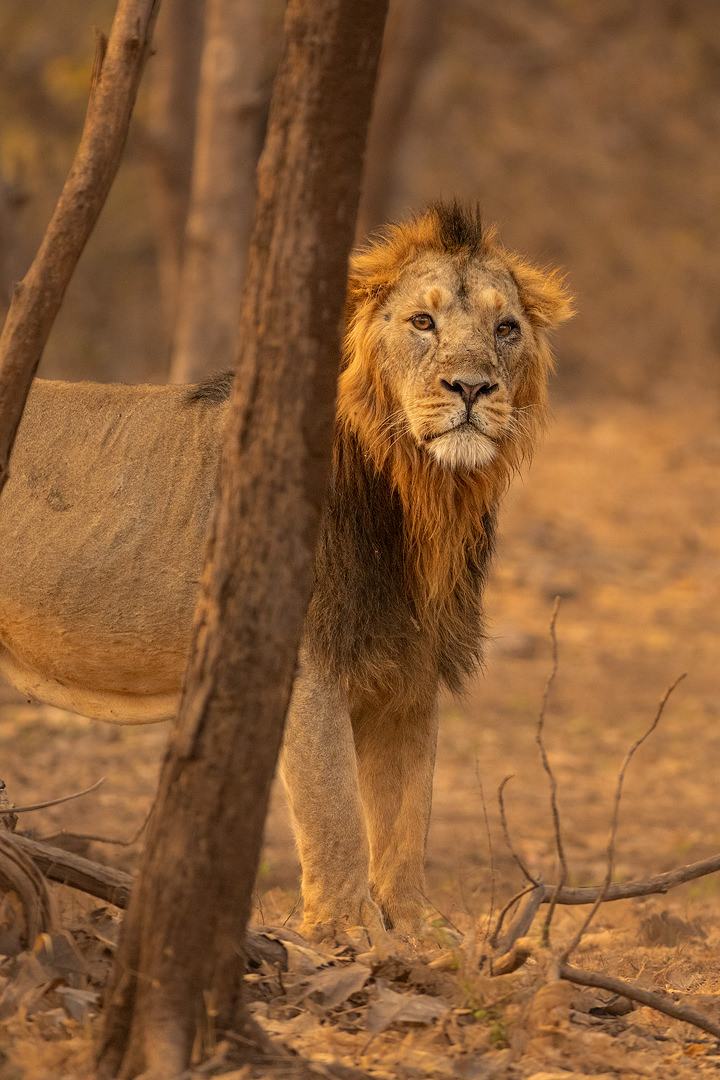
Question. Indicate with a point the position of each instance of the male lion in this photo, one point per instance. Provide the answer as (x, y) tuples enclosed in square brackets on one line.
[(102, 525)]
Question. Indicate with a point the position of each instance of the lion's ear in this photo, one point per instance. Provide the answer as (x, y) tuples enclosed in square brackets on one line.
[(543, 294)]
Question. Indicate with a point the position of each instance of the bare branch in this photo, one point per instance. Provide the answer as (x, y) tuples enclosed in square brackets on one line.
[(12, 810), (643, 997), (506, 833), (112, 886), (96, 839), (508, 907), (602, 892), (513, 959), (491, 851), (518, 927), (20, 875), (38, 297), (660, 883), (551, 776)]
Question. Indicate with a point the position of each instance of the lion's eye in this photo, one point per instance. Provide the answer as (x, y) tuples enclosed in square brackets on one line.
[(505, 329), (423, 321)]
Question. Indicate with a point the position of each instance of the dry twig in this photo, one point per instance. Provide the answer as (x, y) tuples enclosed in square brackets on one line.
[(534, 882), (12, 810), (602, 892), (20, 875), (550, 774), (515, 948)]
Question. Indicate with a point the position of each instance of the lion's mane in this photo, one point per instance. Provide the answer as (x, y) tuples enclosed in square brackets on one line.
[(406, 542)]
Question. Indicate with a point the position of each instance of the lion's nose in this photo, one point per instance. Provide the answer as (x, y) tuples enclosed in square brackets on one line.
[(470, 392)]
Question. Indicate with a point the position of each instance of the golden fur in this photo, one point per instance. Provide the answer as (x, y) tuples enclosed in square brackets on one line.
[(406, 542), (434, 495), (441, 396)]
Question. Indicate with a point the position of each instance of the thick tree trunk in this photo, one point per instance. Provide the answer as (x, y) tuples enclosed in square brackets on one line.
[(230, 120), (179, 968), (171, 130)]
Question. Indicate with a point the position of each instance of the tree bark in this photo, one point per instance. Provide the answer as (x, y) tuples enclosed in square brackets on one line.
[(7, 250), (171, 130), (38, 297), (179, 968), (230, 119)]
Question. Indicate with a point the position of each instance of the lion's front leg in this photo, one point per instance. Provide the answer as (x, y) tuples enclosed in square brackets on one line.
[(319, 769), (396, 755)]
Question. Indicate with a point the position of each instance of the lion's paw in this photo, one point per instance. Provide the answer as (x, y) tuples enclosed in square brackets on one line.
[(361, 925)]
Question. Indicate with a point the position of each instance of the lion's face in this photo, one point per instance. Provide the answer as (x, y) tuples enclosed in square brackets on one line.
[(447, 355), (455, 345)]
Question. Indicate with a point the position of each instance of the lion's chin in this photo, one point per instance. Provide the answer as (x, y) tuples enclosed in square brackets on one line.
[(464, 449)]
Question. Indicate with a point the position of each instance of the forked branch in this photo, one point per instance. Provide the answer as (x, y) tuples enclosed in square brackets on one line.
[(602, 892), (550, 774), (515, 947)]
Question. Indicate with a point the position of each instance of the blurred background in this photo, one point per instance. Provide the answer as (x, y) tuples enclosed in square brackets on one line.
[(589, 131)]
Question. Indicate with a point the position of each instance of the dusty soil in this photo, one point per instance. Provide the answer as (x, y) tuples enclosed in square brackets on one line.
[(619, 516)]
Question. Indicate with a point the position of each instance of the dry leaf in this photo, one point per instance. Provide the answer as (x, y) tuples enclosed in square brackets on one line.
[(78, 1004), (336, 984), (393, 1008)]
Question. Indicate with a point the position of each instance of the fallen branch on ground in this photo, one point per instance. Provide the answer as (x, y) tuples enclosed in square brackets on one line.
[(112, 886), (642, 997), (20, 875)]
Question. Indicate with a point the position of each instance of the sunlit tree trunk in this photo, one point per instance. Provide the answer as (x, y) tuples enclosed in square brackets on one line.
[(179, 966), (230, 118), (174, 76)]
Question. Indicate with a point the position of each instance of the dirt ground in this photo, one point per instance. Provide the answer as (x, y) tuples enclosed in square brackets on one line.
[(619, 516)]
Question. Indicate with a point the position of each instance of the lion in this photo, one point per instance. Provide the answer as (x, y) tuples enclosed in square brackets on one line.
[(442, 393)]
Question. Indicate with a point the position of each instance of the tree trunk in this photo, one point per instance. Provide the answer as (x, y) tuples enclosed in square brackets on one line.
[(119, 64), (171, 130), (179, 967), (7, 250), (230, 120)]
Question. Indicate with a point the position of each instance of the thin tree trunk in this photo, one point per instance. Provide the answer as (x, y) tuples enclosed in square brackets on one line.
[(179, 967), (7, 250), (230, 116), (38, 297), (171, 131)]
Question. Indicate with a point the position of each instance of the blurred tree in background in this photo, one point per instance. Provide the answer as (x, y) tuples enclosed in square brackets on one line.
[(232, 106), (589, 132), (172, 94)]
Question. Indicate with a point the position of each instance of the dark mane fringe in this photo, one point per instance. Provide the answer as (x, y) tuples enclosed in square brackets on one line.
[(214, 390), (406, 544), (368, 626), (459, 228)]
